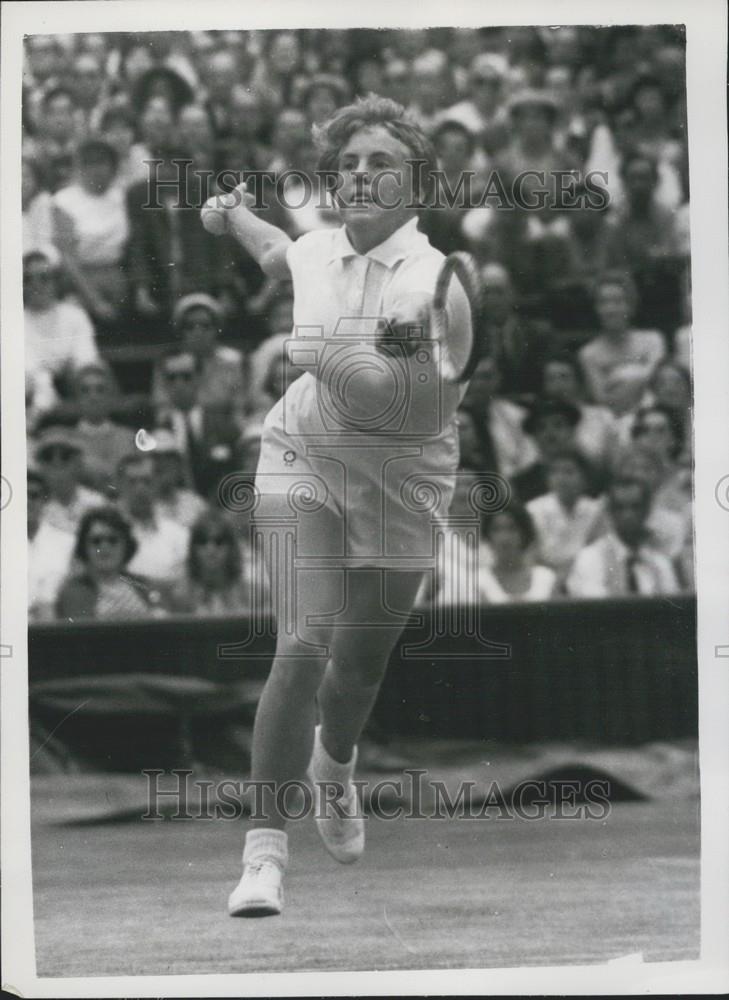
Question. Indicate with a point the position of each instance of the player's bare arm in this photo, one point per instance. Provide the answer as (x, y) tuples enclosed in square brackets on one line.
[(232, 213)]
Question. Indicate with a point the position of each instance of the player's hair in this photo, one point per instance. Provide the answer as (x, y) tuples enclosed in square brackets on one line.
[(113, 520), (214, 520), (368, 112), (521, 517)]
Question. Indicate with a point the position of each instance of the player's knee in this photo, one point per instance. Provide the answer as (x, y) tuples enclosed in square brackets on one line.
[(296, 668)]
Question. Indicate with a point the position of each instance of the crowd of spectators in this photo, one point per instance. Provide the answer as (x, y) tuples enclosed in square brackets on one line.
[(135, 317)]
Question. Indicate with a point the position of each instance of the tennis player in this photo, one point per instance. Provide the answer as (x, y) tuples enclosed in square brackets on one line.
[(370, 417)]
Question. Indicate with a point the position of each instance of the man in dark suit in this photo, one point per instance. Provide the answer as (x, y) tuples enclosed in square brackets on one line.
[(208, 437), (170, 254)]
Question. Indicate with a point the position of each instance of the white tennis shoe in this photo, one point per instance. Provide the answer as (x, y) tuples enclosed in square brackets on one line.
[(339, 819), (259, 892)]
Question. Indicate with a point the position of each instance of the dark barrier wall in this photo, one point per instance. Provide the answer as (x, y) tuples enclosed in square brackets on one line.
[(610, 671)]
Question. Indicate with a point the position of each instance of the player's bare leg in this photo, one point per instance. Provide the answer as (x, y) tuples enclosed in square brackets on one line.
[(283, 732), (360, 655)]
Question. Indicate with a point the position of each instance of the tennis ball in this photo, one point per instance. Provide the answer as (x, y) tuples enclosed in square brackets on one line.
[(213, 213)]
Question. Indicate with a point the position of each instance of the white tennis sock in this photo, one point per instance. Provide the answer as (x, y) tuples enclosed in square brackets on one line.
[(266, 842), (326, 768)]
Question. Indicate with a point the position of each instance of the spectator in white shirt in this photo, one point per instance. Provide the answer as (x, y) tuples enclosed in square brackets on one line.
[(59, 337), (514, 575), (37, 208), (619, 362), (483, 113), (174, 501), (491, 427), (597, 432), (92, 230), (59, 453), (566, 519), (670, 515), (49, 552), (623, 561), (162, 544)]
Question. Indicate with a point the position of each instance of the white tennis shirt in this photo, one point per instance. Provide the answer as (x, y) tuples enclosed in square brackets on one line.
[(372, 451)]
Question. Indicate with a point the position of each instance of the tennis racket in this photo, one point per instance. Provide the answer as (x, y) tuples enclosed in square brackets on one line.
[(459, 353)]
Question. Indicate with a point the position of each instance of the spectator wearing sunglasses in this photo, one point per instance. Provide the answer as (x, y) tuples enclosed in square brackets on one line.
[(208, 436), (103, 588), (49, 551), (59, 336), (219, 577), (161, 544), (59, 453), (198, 320)]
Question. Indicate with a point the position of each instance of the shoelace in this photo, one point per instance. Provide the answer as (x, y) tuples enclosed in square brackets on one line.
[(258, 864)]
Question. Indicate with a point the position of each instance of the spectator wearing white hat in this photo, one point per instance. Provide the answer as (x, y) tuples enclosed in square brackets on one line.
[(59, 453), (197, 320), (483, 112)]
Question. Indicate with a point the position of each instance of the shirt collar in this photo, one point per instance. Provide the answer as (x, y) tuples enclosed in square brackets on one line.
[(395, 248)]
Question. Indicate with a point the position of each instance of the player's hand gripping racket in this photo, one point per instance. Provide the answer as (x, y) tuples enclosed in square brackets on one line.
[(458, 342)]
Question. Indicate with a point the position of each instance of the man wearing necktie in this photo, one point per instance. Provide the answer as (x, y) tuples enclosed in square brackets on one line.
[(625, 560)]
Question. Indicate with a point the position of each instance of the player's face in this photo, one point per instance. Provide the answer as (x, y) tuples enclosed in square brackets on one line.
[(377, 186)]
